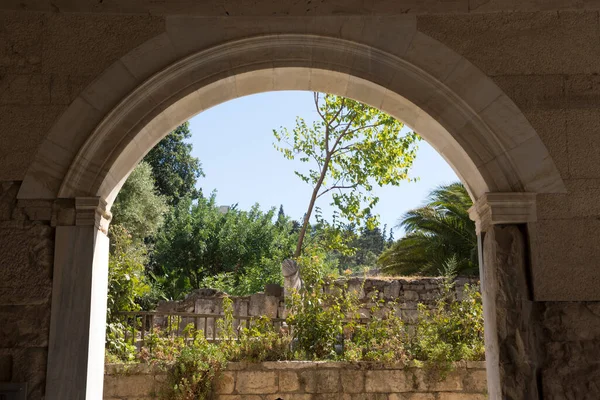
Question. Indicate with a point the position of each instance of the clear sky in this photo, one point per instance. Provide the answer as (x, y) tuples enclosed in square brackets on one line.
[(234, 142)]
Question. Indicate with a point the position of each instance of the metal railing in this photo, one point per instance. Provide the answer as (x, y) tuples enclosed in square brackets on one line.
[(140, 325)]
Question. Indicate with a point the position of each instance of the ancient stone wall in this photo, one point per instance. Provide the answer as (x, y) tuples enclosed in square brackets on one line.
[(406, 292), (310, 380), (571, 350), (27, 248)]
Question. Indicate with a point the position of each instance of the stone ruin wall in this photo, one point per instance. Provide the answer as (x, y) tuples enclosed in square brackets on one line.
[(407, 292), (27, 248), (300, 380)]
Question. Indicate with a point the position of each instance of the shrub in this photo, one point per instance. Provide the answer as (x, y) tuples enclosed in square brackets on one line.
[(451, 331), (318, 313), (382, 338), (196, 368)]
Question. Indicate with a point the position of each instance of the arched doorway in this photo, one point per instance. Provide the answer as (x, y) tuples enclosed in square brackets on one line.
[(106, 131)]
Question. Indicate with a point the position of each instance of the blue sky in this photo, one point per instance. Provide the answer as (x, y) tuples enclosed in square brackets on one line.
[(234, 143)]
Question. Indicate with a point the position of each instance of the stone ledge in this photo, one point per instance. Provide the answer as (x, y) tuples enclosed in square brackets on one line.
[(311, 380)]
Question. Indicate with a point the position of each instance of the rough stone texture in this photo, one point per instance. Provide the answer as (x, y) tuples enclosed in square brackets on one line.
[(511, 334), (27, 249), (521, 43), (42, 69), (289, 7), (407, 292), (545, 61), (572, 350), (310, 381)]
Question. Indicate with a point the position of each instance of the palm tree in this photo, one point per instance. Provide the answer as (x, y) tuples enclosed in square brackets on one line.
[(438, 235)]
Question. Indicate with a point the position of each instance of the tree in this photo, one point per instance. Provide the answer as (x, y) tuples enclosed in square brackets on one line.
[(138, 212), (138, 208), (199, 241), (352, 146), (438, 234), (175, 170)]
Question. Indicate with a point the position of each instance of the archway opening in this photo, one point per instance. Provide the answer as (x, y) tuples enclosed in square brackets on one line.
[(208, 305), (475, 127)]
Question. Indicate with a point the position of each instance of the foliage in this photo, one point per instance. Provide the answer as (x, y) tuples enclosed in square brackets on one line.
[(138, 208), (118, 349), (451, 331), (367, 245), (318, 312), (174, 169), (126, 280), (353, 146), (252, 280), (436, 232), (199, 241), (138, 212), (193, 375), (381, 338), (126, 284), (323, 324)]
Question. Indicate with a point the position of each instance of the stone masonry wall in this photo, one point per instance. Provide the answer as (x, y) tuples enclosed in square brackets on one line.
[(27, 248), (310, 381), (571, 349), (407, 292)]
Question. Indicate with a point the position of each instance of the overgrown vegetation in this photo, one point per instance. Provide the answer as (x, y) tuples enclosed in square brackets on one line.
[(168, 239), (323, 324)]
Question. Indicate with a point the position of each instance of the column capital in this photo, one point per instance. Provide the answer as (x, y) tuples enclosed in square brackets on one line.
[(503, 208), (92, 211)]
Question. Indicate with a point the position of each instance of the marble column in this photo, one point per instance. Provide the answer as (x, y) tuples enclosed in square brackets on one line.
[(512, 337), (79, 295)]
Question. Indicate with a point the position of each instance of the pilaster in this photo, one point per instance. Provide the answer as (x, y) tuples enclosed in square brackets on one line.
[(79, 296)]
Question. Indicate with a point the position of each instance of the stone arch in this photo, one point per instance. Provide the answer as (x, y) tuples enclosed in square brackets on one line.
[(482, 134), (93, 146)]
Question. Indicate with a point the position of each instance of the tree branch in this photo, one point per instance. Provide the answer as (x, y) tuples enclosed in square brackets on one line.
[(340, 187)]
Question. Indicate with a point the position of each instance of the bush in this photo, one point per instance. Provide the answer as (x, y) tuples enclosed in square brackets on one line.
[(196, 368), (382, 338), (324, 323), (318, 312), (451, 331)]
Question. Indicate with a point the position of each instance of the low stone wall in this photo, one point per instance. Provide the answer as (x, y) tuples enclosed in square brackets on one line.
[(310, 381), (406, 292)]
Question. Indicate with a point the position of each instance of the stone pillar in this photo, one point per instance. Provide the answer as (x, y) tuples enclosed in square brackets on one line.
[(511, 317), (79, 295)]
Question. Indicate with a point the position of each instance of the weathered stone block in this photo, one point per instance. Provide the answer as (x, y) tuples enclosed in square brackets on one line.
[(256, 382), (262, 304), (392, 290), (24, 326), (31, 247), (410, 295), (388, 381), (225, 383), (475, 380), (461, 396), (412, 396), (293, 396), (289, 381), (453, 381), (128, 385), (328, 380), (352, 381)]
